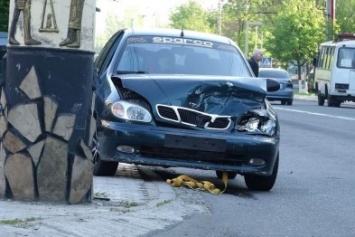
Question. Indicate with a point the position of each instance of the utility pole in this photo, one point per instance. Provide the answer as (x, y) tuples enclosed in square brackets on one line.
[(330, 11)]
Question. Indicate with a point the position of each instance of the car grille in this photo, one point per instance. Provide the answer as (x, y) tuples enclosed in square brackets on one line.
[(193, 117)]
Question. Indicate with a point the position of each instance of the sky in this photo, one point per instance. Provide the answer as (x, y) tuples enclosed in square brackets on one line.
[(155, 13)]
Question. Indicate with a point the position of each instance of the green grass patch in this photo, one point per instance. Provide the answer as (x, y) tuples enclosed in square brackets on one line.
[(306, 94), (17, 221), (127, 204), (159, 204)]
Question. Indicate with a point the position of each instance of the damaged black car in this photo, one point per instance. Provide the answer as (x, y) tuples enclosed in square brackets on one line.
[(178, 98)]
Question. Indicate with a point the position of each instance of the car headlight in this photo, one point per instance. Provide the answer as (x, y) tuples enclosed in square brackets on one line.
[(257, 122), (130, 111)]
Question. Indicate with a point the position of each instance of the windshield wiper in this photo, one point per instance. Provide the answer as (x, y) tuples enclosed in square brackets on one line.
[(131, 72)]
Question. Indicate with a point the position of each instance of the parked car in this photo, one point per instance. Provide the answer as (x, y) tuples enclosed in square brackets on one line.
[(285, 93), (178, 98)]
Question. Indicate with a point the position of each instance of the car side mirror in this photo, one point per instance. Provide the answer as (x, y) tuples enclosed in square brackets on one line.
[(272, 85)]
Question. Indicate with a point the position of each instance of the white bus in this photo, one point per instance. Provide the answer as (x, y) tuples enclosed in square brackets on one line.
[(334, 78)]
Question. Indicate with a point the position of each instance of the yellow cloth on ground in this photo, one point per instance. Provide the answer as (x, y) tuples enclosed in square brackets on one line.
[(186, 181)]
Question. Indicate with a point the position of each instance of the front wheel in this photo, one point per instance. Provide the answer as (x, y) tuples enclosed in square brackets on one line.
[(101, 167), (332, 101), (262, 183), (321, 99)]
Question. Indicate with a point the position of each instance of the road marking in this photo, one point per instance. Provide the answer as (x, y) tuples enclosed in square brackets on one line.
[(318, 114)]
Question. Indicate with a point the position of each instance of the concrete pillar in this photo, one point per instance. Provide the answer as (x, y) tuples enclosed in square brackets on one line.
[(46, 99)]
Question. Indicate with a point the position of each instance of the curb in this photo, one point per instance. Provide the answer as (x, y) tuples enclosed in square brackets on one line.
[(305, 97)]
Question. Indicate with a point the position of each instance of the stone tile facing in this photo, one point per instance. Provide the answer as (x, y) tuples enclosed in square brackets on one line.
[(35, 151), (21, 183), (3, 125), (2, 173), (50, 109), (64, 126), (29, 85), (13, 143), (24, 118), (81, 180), (52, 171), (85, 150)]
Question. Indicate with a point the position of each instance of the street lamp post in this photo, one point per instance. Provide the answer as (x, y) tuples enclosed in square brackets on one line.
[(219, 19), (248, 24)]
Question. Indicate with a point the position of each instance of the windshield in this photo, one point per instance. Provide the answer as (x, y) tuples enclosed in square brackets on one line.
[(164, 55), (346, 58)]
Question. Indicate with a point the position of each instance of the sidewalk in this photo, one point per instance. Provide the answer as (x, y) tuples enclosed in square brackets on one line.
[(135, 207), (311, 97)]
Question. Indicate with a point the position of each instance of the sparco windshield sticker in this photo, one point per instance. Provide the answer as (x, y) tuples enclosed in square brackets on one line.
[(170, 40)]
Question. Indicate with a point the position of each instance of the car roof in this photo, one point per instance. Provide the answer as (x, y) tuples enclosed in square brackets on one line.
[(271, 69), (178, 33)]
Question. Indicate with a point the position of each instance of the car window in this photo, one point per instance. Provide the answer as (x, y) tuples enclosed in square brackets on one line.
[(106, 54), (158, 55), (273, 73)]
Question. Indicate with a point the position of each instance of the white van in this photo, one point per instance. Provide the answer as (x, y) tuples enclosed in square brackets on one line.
[(334, 78)]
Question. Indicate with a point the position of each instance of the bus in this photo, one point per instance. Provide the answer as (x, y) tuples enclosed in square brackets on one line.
[(334, 78)]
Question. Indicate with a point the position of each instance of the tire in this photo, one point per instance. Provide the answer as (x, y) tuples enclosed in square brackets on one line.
[(289, 102), (321, 99), (262, 183), (102, 168), (283, 102), (336, 103), (331, 101), (231, 175)]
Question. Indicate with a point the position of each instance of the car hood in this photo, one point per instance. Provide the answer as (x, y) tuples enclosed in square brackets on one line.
[(209, 94)]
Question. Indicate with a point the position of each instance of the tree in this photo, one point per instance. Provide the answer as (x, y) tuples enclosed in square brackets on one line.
[(111, 27), (4, 13), (344, 15), (191, 16), (296, 33)]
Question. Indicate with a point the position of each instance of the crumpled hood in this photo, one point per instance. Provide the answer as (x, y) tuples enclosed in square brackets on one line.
[(210, 94)]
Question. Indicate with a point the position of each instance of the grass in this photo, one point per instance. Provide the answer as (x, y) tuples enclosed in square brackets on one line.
[(18, 222), (306, 94), (159, 204), (127, 204)]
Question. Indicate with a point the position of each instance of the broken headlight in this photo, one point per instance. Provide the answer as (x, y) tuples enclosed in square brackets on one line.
[(130, 111), (257, 121)]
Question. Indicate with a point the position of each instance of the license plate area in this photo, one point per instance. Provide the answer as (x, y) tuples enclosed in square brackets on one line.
[(195, 143)]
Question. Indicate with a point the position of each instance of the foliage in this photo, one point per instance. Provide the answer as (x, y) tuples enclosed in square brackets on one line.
[(296, 33), (4, 13), (112, 26), (191, 16), (344, 15)]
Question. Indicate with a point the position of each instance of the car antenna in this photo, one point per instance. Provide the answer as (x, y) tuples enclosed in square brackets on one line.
[(182, 32)]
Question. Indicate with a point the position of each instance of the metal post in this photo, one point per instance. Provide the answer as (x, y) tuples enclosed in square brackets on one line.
[(247, 25), (219, 17)]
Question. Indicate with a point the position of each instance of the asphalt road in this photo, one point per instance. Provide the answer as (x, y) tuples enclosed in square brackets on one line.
[(313, 195), (315, 190)]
